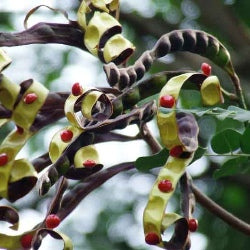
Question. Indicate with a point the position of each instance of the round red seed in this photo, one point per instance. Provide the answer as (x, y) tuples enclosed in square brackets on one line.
[(165, 186), (30, 98), (26, 240), (3, 159), (52, 221), (76, 89), (176, 151), (192, 225), (19, 130), (167, 101), (152, 238), (89, 163), (206, 69), (66, 135)]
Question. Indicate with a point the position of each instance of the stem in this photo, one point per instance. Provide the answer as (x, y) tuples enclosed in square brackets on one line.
[(187, 196), (221, 212), (69, 202), (236, 81), (231, 96), (234, 155), (149, 138), (42, 33)]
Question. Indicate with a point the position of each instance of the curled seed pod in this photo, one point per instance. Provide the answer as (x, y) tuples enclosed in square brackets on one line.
[(102, 35), (95, 106), (10, 215), (193, 41)]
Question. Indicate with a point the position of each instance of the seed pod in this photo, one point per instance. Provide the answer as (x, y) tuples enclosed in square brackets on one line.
[(194, 41)]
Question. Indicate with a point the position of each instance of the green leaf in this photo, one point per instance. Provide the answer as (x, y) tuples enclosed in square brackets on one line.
[(207, 125), (240, 114), (232, 167), (190, 98), (146, 163), (226, 141), (245, 141)]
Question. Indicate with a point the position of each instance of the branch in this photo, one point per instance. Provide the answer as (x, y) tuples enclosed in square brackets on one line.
[(149, 138), (221, 212), (69, 202), (42, 33)]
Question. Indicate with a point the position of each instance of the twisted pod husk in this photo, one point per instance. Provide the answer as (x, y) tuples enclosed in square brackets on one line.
[(177, 129), (102, 32), (18, 173)]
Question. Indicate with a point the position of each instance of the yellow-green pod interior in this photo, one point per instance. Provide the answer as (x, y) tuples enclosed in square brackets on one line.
[(99, 23), (81, 15), (211, 91), (21, 168), (168, 129), (69, 110), (9, 92), (13, 143), (167, 122), (168, 220), (4, 177), (154, 218), (89, 102), (5, 60), (113, 4), (101, 4), (13, 242), (84, 154), (115, 46), (57, 146), (25, 114)]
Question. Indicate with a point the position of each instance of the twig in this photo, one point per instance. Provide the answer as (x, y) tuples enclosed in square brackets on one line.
[(42, 33), (150, 139), (69, 202), (220, 212)]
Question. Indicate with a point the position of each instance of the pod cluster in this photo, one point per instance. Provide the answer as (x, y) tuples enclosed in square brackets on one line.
[(102, 31)]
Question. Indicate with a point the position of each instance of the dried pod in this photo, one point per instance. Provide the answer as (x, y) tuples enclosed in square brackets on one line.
[(193, 41)]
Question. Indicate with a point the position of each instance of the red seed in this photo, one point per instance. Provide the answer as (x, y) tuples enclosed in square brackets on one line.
[(206, 69), (30, 98), (89, 163), (66, 135), (167, 101), (77, 89), (52, 221), (26, 240), (152, 238), (176, 151), (19, 130), (165, 186), (192, 225), (3, 159)]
